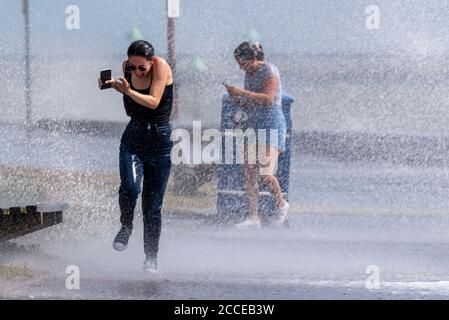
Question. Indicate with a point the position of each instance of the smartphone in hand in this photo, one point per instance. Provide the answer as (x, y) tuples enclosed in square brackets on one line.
[(105, 75)]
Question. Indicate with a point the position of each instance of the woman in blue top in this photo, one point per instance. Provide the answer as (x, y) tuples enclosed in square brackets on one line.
[(261, 99)]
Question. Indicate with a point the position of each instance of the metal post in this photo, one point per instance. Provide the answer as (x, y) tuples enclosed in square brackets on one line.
[(172, 13), (26, 12)]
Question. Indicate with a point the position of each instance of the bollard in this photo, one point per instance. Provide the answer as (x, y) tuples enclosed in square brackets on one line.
[(231, 200)]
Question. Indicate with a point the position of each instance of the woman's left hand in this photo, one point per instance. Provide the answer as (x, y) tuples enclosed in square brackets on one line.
[(234, 91), (121, 85)]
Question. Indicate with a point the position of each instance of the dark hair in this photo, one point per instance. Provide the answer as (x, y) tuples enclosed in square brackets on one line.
[(249, 50), (141, 48)]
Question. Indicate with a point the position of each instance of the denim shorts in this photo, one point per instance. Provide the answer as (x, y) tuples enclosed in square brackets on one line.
[(272, 120)]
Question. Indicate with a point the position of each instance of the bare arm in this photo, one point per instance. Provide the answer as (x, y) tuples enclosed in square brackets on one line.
[(267, 97), (160, 75)]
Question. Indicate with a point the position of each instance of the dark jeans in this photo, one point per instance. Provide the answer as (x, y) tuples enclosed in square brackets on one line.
[(145, 154)]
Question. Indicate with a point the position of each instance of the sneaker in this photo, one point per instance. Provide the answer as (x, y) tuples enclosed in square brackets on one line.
[(150, 265), (249, 224), (282, 215), (121, 239)]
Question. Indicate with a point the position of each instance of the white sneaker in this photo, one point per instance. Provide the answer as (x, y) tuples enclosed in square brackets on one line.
[(150, 266), (282, 215), (249, 224)]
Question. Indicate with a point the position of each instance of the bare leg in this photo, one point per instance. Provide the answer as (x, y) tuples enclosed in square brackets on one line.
[(268, 178), (251, 187)]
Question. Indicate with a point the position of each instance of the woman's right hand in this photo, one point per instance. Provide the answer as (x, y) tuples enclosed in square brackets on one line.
[(120, 84)]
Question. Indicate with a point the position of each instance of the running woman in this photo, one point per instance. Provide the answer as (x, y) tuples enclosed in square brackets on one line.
[(147, 88)]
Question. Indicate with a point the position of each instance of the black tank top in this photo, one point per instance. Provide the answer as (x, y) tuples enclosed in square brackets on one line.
[(137, 111)]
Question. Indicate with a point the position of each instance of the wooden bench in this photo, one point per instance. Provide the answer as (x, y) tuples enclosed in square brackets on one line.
[(21, 220)]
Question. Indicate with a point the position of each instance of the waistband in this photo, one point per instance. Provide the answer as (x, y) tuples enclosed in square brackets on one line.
[(146, 122)]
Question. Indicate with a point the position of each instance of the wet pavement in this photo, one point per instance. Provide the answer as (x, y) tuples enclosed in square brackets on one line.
[(357, 217), (318, 257)]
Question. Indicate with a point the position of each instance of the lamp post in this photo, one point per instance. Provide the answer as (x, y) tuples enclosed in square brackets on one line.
[(26, 13), (173, 12)]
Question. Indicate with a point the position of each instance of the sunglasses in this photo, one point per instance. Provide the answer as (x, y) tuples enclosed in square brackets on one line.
[(134, 68)]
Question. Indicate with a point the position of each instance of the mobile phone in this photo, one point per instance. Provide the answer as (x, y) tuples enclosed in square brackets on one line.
[(105, 75)]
